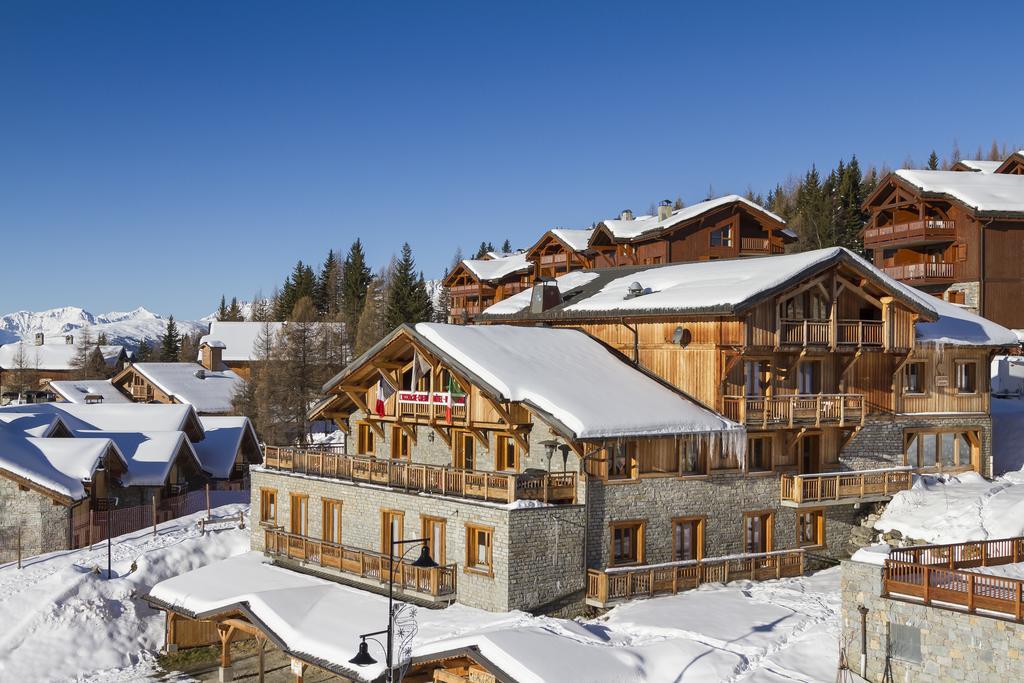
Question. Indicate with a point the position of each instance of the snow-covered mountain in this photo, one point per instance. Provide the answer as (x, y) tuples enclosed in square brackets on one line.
[(127, 328)]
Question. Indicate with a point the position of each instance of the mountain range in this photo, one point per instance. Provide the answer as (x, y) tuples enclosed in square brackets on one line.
[(127, 328)]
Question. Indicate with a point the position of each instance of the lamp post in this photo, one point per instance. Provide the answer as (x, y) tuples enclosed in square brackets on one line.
[(363, 657), (108, 505)]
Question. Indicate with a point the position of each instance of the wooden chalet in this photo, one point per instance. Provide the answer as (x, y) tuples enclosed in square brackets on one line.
[(207, 386), (560, 251), (725, 227), (41, 361), (475, 284), (954, 234)]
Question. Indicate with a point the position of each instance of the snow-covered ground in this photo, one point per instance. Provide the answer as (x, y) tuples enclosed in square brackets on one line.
[(957, 509), (61, 621)]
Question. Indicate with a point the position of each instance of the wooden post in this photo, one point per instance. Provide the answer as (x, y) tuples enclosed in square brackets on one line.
[(970, 592), (90, 528), (153, 498), (207, 501), (1017, 602), (19, 546), (927, 585), (262, 642)]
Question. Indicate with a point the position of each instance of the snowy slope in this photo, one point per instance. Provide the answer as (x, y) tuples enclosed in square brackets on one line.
[(61, 621), (126, 328)]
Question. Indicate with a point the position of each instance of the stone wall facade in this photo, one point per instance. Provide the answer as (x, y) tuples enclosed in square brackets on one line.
[(536, 556), (879, 443), (45, 525), (955, 647), (972, 294)]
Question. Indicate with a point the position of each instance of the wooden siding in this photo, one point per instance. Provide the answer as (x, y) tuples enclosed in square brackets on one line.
[(940, 394)]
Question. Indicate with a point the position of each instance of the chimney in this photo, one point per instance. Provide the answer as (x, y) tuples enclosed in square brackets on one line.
[(626, 215), (664, 209), (40, 338), (69, 339), (211, 351), (545, 296)]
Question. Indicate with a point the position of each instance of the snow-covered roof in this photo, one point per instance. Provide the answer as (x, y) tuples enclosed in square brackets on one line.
[(629, 229), (121, 417), (573, 378), (224, 437), (984, 192), (57, 464), (24, 354), (149, 455), (207, 340), (958, 326), (208, 391), (76, 391), (490, 270), (520, 301), (981, 165), (574, 237), (240, 338)]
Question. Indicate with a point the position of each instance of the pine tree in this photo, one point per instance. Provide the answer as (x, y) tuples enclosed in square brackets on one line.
[(222, 310), (144, 353), (481, 251), (260, 310), (234, 313), (506, 247), (407, 297), (95, 365), (355, 279), (443, 308), (296, 286), (188, 352), (993, 152), (370, 328), (325, 290), (102, 339), (170, 342), (302, 374), (933, 161)]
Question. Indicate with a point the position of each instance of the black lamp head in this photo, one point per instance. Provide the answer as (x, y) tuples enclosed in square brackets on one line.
[(424, 560), (363, 657)]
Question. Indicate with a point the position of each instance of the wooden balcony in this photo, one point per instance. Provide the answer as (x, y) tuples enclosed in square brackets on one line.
[(430, 406), (844, 488), (141, 393), (915, 232), (940, 575), (759, 245), (435, 582), (849, 334), (924, 273), (499, 487), (606, 587), (795, 410)]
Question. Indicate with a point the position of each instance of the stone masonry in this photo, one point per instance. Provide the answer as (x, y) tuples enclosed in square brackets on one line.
[(955, 647), (45, 525)]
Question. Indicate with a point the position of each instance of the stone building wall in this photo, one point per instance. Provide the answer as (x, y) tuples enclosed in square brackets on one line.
[(45, 526), (955, 647), (972, 294), (880, 442), (525, 574)]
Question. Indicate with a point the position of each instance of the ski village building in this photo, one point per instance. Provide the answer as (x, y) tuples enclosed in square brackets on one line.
[(956, 234), (43, 361)]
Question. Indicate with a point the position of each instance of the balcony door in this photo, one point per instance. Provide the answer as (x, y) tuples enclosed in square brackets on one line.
[(809, 377), (757, 532), (392, 524), (465, 451), (810, 454), (756, 377), (299, 514)]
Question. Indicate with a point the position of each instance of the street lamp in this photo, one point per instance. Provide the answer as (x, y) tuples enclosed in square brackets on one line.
[(549, 450), (108, 505), (425, 561)]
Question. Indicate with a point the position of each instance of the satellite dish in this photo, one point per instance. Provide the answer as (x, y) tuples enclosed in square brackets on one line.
[(681, 336)]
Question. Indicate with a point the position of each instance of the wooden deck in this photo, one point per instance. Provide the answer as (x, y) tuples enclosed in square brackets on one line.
[(941, 574), (795, 410), (922, 231), (432, 581), (841, 488), (554, 487), (848, 334), (605, 587)]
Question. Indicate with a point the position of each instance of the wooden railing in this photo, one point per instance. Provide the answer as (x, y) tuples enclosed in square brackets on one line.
[(794, 410), (140, 392), (760, 245), (940, 574), (611, 585), (819, 333), (434, 581), (920, 271), (816, 488), (551, 487), (926, 229), (431, 405)]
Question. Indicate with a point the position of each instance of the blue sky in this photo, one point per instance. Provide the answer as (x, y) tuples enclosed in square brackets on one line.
[(160, 154)]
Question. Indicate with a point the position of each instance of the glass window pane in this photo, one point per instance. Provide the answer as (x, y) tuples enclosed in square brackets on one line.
[(947, 446), (928, 442)]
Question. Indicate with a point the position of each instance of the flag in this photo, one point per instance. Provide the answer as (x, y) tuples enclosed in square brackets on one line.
[(420, 368), (453, 390), (384, 392)]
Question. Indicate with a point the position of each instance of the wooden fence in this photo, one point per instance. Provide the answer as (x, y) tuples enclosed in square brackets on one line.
[(608, 586), (941, 574), (552, 487), (794, 410), (435, 581), (816, 488)]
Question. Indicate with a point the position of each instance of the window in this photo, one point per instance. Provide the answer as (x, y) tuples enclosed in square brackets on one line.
[(331, 520), (687, 538), (465, 451), (953, 449), (268, 506), (759, 454), (434, 532), (621, 460), (299, 513), (399, 442), (392, 525), (810, 528), (757, 532), (966, 377), (693, 459), (905, 642), (479, 558), (722, 237), (627, 539), (755, 377), (506, 454), (913, 378), (809, 377), (365, 443)]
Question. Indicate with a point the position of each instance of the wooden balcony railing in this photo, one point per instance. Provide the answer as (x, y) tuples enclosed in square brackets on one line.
[(759, 245), (844, 486), (611, 585), (434, 405), (140, 392), (915, 230), (941, 574), (434, 581), (819, 333), (921, 271), (549, 487), (795, 410)]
